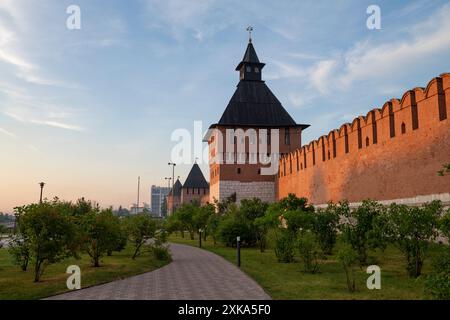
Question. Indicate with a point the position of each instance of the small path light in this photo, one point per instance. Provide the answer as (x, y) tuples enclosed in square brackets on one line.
[(200, 237), (238, 251)]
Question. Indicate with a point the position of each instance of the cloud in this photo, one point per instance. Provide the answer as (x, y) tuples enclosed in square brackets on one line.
[(8, 133), (366, 60)]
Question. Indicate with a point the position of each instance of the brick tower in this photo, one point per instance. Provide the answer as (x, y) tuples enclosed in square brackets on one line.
[(253, 127)]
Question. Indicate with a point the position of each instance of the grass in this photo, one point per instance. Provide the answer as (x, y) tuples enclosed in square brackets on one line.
[(288, 281), (16, 284)]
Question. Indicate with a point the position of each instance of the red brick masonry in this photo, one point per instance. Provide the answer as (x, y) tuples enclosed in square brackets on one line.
[(390, 153)]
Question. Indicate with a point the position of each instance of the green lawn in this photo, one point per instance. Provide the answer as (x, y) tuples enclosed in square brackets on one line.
[(16, 284), (288, 281)]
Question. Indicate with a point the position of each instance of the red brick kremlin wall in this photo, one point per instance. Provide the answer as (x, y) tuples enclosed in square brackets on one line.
[(392, 153)]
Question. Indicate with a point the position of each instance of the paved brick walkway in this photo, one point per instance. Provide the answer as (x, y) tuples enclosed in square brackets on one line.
[(193, 274)]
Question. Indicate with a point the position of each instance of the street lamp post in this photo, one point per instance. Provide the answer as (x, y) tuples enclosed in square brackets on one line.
[(167, 196), (173, 181), (41, 184)]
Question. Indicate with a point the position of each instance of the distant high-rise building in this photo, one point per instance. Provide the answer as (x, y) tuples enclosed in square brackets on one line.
[(157, 197)]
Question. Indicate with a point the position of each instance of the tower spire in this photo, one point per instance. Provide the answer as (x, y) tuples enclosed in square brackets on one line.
[(249, 29)]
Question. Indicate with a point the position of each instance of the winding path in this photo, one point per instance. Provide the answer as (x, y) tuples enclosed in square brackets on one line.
[(194, 274)]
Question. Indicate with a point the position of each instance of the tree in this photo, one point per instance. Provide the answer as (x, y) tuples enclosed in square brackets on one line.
[(251, 210), (325, 227), (185, 215), (214, 221), (233, 225), (201, 217), (141, 228), (102, 234), (445, 170), (411, 229), (348, 258), (47, 232), (2, 229), (309, 253), (437, 284), (365, 227)]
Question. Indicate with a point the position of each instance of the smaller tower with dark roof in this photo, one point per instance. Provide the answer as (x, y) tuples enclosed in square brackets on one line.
[(195, 188), (174, 197)]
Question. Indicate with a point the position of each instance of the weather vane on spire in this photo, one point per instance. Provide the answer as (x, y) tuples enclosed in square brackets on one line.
[(249, 29)]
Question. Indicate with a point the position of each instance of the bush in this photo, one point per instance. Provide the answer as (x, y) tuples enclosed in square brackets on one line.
[(325, 227), (411, 229), (365, 228), (284, 247), (141, 228), (232, 227), (307, 247), (437, 284), (348, 258), (161, 253)]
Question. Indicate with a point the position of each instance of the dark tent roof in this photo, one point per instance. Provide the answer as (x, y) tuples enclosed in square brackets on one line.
[(250, 56), (254, 104), (195, 178), (177, 187)]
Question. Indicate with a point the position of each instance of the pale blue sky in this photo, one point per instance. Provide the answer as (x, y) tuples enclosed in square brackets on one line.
[(89, 110)]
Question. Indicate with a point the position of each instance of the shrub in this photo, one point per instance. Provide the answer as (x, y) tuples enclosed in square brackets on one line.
[(307, 247), (325, 227), (161, 253), (411, 229), (231, 227), (365, 227), (284, 247), (437, 284), (348, 258), (251, 210)]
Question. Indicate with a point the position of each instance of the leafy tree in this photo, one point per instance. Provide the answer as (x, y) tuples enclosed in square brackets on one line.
[(445, 170), (309, 253), (411, 230), (284, 247), (365, 227), (47, 232), (437, 284), (292, 202), (2, 229), (214, 221), (201, 218), (233, 225), (251, 210), (19, 248), (141, 228), (325, 227), (444, 225), (349, 259), (102, 234), (185, 215)]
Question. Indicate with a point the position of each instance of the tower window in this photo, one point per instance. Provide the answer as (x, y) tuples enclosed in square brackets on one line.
[(248, 69), (287, 137), (259, 171), (238, 170), (256, 70), (367, 141), (403, 128)]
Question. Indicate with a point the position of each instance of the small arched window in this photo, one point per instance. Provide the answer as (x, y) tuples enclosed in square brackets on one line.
[(403, 128), (367, 141)]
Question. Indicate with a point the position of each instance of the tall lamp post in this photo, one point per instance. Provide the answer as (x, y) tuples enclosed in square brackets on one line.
[(167, 196), (173, 181), (41, 184)]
